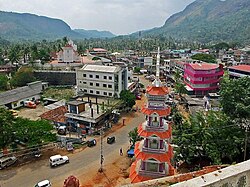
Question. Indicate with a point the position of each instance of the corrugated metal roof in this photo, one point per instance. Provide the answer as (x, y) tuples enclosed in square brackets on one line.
[(101, 68), (19, 93)]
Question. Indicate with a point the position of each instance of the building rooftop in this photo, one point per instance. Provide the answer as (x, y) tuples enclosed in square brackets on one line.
[(99, 50), (101, 68), (245, 68), (20, 93), (204, 66)]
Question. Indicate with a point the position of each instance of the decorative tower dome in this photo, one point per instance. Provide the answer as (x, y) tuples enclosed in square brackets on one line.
[(154, 153)]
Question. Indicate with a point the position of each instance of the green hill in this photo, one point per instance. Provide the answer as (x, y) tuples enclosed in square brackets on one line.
[(94, 33), (16, 26), (209, 21)]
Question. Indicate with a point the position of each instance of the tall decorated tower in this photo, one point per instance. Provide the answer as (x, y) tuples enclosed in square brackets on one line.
[(154, 153)]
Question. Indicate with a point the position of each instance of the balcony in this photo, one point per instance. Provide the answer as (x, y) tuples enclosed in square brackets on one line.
[(150, 173), (155, 126), (148, 149)]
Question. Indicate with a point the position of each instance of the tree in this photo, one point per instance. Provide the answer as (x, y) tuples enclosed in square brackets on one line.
[(235, 102), (211, 137), (180, 88), (6, 128), (33, 132), (14, 54), (204, 57), (137, 70), (128, 98), (235, 98), (3, 82), (22, 77), (133, 136)]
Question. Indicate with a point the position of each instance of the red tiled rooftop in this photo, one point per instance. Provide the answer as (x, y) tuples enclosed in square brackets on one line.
[(153, 90), (161, 112), (204, 66), (245, 68), (99, 49)]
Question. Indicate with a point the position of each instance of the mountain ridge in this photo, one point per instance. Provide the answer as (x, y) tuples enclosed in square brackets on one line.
[(26, 26), (209, 21)]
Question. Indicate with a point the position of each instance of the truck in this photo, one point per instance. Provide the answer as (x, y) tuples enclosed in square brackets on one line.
[(29, 104)]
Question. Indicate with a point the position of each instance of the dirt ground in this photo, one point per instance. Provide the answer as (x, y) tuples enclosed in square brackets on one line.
[(32, 114)]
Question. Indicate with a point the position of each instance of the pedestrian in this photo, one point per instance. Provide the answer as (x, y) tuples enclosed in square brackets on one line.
[(121, 153)]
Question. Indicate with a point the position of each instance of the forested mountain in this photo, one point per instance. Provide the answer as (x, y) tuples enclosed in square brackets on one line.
[(16, 26), (209, 21), (94, 33)]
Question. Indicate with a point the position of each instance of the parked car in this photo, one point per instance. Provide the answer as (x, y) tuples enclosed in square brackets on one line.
[(110, 139), (44, 183), (7, 161), (62, 130), (58, 160), (91, 142)]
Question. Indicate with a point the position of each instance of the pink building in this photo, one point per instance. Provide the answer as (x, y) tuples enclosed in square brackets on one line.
[(202, 78)]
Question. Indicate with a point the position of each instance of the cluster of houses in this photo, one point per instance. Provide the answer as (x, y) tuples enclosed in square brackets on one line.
[(100, 74)]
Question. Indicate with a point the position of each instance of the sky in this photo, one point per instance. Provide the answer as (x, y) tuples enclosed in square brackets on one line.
[(117, 16)]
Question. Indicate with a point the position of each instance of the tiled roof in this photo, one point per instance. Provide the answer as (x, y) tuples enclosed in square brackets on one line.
[(160, 112), (203, 66), (245, 68), (99, 50), (163, 157), (55, 115), (153, 90)]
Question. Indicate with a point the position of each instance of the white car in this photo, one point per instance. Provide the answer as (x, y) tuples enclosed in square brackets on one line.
[(44, 183), (58, 160)]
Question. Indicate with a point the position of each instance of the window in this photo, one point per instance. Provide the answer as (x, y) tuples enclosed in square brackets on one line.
[(104, 77), (97, 84), (110, 77), (84, 82), (97, 92), (84, 75), (110, 94), (91, 83), (105, 93), (80, 82), (97, 76), (90, 76), (86, 91), (105, 85), (91, 91), (109, 86)]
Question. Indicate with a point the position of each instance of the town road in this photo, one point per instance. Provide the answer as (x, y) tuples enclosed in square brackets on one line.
[(28, 175)]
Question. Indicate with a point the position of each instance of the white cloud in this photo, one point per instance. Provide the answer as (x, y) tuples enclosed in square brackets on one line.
[(117, 16)]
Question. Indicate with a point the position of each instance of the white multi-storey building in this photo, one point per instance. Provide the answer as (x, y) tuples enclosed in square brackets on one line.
[(100, 80)]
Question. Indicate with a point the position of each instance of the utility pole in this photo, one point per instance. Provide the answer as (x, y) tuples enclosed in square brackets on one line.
[(101, 151), (245, 149)]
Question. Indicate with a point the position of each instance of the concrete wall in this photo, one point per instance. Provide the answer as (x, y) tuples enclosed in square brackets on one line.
[(237, 175), (56, 78)]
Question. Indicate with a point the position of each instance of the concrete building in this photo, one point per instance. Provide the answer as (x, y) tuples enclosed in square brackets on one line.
[(69, 53), (100, 80), (239, 71), (202, 78), (100, 52)]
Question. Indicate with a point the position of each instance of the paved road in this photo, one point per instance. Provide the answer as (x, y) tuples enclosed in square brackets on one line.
[(28, 175)]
